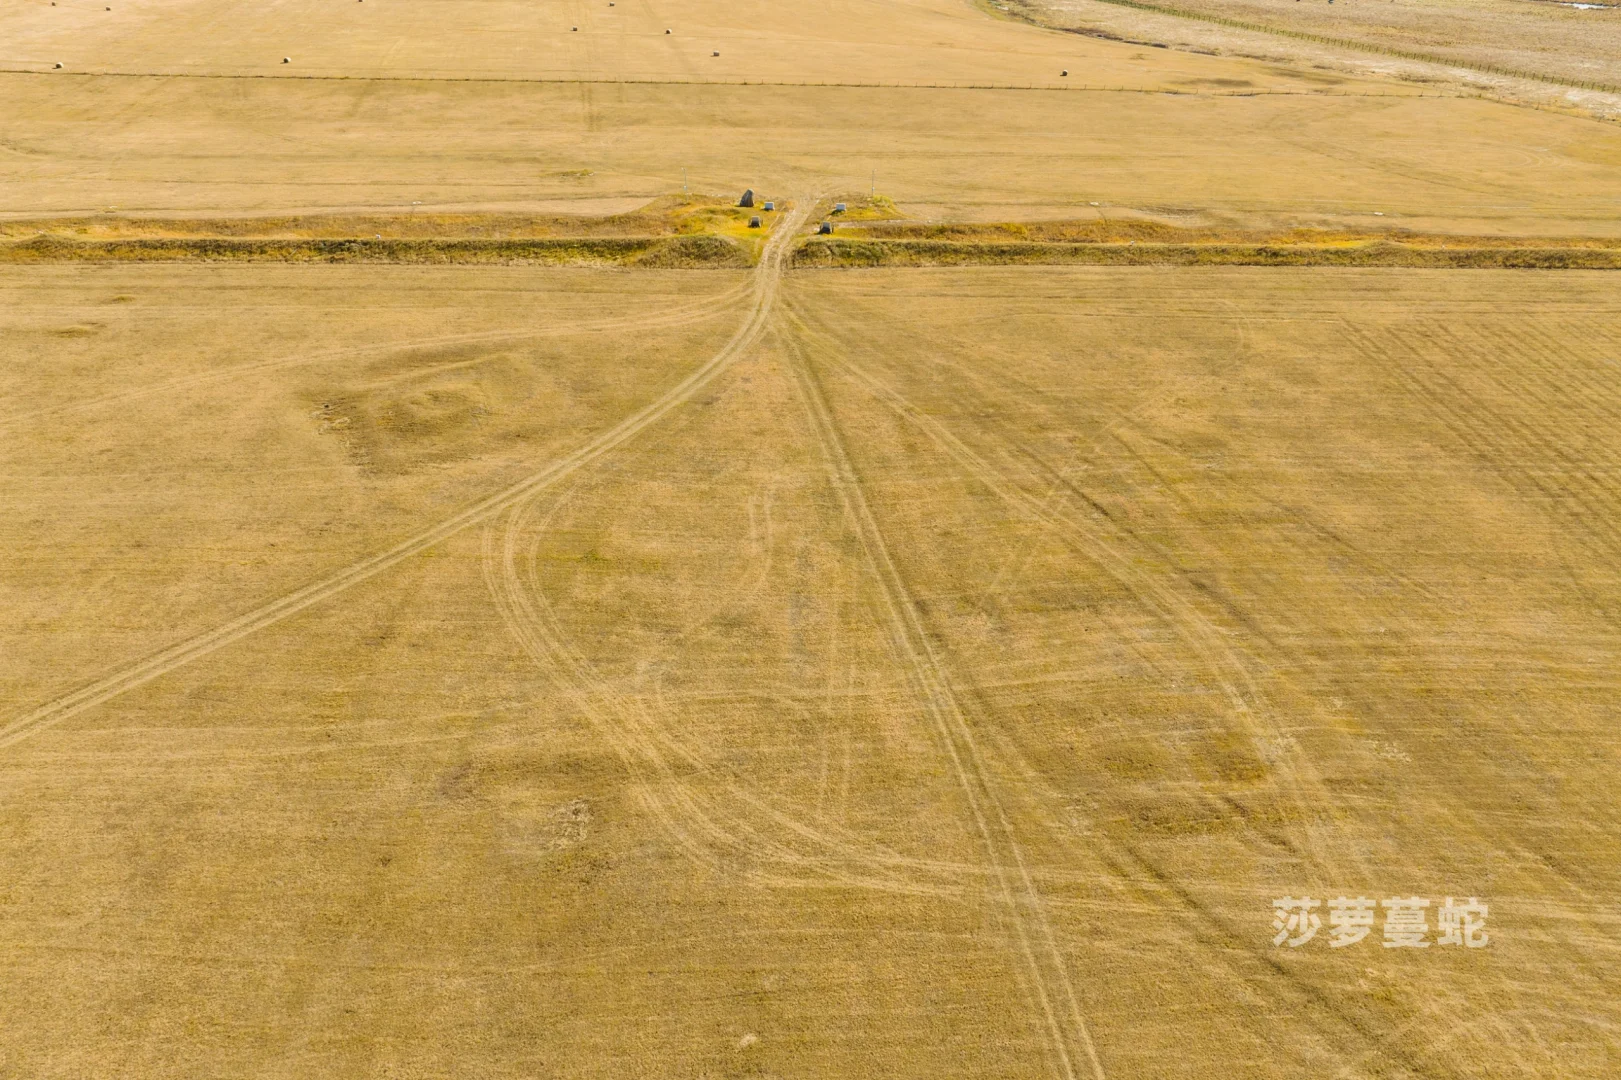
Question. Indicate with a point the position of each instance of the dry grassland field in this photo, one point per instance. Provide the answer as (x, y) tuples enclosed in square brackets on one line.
[(1137, 594), (1567, 43)]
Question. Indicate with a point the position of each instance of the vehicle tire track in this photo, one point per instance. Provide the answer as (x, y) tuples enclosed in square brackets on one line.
[(1037, 944), (830, 854), (763, 293), (1129, 862), (1110, 554), (709, 829), (1572, 487)]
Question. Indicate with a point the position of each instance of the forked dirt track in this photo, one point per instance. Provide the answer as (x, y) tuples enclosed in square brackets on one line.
[(708, 829), (762, 297)]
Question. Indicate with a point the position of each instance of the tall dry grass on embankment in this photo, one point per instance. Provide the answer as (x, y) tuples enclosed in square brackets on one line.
[(663, 251), (1465, 253)]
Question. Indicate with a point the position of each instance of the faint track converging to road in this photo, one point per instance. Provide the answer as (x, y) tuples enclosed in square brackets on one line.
[(741, 825), (762, 295)]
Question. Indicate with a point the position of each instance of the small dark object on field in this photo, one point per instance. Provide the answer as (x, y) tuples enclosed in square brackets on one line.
[(770, 206), (287, 59), (56, 65), (669, 31), (715, 53), (754, 222), (1064, 72), (838, 208), (747, 199), (826, 229)]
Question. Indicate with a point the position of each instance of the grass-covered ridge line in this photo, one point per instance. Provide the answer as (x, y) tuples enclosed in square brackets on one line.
[(674, 230), (670, 215), (847, 252), (656, 251), (1122, 230)]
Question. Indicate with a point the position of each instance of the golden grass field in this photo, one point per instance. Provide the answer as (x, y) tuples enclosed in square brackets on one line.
[(471, 607)]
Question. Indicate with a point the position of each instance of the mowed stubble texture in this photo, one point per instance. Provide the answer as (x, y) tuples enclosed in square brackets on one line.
[(945, 688), (1231, 593)]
